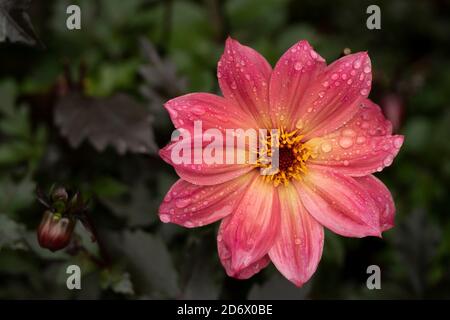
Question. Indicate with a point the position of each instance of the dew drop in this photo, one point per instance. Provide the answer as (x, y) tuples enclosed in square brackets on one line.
[(360, 140), (181, 203), (321, 94), (298, 66), (345, 142), (233, 85), (357, 64), (199, 111), (313, 54), (346, 163), (398, 142), (348, 132), (388, 160), (300, 124), (367, 69), (334, 76), (364, 92), (326, 147), (164, 218)]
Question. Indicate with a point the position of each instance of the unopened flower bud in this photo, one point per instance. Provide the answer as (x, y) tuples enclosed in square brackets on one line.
[(55, 231), (60, 194)]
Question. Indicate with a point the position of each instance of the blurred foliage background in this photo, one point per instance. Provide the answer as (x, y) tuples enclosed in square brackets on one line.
[(83, 108)]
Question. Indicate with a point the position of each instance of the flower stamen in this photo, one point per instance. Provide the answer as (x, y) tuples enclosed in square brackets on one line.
[(292, 155)]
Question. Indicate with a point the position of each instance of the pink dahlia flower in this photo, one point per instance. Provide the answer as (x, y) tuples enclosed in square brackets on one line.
[(333, 139)]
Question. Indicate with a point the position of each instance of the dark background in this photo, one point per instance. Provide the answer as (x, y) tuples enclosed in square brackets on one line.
[(49, 136)]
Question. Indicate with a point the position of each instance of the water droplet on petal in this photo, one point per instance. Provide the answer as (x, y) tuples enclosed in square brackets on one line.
[(164, 218), (313, 54), (367, 69), (326, 147), (348, 132), (181, 203), (300, 124), (346, 163), (345, 142), (233, 85), (334, 76), (388, 160), (360, 140), (364, 92), (365, 125), (398, 142), (298, 66), (357, 64), (199, 111)]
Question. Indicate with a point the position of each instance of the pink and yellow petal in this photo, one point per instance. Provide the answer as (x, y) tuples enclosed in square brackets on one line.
[(339, 203), (244, 79), (360, 147), (247, 235), (193, 168), (298, 247), (296, 70), (334, 98), (193, 205), (383, 199), (213, 111), (242, 273)]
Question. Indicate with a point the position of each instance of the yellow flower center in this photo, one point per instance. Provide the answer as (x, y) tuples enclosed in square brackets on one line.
[(292, 156)]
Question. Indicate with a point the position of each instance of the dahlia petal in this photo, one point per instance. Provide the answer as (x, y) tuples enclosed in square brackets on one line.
[(225, 258), (246, 236), (193, 205), (360, 147), (244, 77), (334, 97), (212, 110), (298, 247), (293, 73), (383, 199), (339, 203), (197, 171)]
